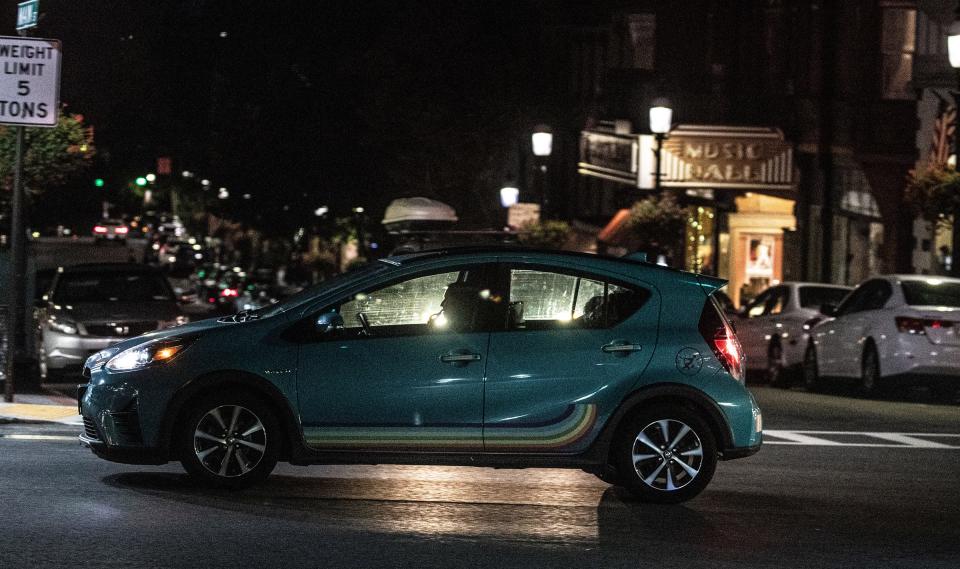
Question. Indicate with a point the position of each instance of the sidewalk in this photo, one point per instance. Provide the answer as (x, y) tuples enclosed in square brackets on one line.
[(47, 408)]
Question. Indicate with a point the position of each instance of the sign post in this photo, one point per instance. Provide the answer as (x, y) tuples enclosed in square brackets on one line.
[(29, 96)]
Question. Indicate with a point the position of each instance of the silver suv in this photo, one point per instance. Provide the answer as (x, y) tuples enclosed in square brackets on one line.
[(92, 307)]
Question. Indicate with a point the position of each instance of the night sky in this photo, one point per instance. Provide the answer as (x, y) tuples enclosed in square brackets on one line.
[(304, 104)]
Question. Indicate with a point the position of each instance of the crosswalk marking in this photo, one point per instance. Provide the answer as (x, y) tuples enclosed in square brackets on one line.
[(884, 439)]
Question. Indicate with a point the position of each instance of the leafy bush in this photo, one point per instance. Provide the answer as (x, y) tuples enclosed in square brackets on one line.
[(547, 234)]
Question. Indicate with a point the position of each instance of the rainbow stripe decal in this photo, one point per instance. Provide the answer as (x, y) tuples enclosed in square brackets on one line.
[(567, 430)]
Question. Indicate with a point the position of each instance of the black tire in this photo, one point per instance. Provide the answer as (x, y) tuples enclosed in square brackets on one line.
[(871, 383), (811, 372), (777, 374), (651, 479), (229, 459)]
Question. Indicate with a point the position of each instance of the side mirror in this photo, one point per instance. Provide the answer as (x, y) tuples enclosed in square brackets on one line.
[(328, 322), (828, 309)]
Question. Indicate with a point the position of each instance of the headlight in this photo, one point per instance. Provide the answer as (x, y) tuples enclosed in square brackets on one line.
[(97, 360), (63, 326), (149, 354)]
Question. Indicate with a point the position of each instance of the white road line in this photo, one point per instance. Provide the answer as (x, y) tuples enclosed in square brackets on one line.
[(835, 438)]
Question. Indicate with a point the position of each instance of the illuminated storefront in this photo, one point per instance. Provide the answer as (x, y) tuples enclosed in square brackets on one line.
[(737, 184)]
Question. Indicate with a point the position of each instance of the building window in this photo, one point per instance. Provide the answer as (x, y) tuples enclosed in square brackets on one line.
[(898, 44), (633, 40)]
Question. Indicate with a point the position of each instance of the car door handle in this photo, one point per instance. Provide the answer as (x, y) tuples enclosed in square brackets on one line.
[(618, 348), (460, 358)]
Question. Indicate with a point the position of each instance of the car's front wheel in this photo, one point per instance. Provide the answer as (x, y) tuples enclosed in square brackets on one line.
[(230, 440), (811, 370), (665, 455)]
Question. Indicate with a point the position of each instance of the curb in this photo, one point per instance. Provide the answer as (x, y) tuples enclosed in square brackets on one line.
[(32, 413)]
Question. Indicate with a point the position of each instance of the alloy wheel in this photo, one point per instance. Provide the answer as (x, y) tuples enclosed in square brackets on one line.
[(667, 455), (229, 441)]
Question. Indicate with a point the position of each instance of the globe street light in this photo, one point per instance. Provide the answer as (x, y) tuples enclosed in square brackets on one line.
[(953, 49), (509, 195), (661, 117), (542, 146)]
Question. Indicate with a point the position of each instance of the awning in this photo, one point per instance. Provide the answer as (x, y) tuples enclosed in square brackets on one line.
[(617, 231)]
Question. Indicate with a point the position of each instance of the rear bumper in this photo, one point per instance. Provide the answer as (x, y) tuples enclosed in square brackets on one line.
[(741, 452), (916, 355)]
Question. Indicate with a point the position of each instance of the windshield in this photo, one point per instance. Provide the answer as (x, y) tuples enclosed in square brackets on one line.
[(817, 296), (309, 293), (934, 292), (111, 287)]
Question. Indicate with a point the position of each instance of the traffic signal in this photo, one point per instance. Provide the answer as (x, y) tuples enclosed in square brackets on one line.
[(98, 182), (141, 181)]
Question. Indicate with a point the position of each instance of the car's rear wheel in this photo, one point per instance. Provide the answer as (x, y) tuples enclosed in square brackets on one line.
[(811, 371), (665, 455), (230, 441), (870, 381)]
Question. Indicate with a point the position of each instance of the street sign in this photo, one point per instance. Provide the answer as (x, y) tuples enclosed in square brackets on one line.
[(27, 14), (29, 81)]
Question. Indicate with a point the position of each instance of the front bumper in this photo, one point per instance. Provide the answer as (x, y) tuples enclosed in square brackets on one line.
[(122, 418), (67, 352)]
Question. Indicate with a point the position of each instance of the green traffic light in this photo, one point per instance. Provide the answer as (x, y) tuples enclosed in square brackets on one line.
[(141, 181), (98, 182)]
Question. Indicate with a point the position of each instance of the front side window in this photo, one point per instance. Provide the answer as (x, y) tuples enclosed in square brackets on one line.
[(759, 305), (817, 296), (550, 300), (451, 301)]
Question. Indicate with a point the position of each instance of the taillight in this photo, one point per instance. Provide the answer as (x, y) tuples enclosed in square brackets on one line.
[(719, 335), (911, 325), (229, 292), (121, 230), (99, 229)]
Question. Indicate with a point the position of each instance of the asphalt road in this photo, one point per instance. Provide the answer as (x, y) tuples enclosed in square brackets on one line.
[(848, 494)]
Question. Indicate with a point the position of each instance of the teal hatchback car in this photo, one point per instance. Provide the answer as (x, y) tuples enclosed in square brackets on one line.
[(479, 357)]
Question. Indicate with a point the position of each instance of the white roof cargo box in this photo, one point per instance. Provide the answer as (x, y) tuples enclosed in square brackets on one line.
[(412, 212)]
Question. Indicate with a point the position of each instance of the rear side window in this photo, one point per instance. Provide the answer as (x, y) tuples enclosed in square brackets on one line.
[(550, 300), (932, 293), (817, 296)]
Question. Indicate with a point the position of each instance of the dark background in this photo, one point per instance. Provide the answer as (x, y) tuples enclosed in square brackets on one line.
[(302, 104)]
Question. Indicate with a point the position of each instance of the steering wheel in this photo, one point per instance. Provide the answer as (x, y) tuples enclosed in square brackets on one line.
[(365, 322)]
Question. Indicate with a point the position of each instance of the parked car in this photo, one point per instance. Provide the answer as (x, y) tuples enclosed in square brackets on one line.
[(110, 230), (91, 307), (771, 327), (891, 329), (507, 358)]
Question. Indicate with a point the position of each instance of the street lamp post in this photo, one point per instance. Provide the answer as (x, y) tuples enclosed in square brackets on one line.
[(661, 117), (953, 50), (542, 143)]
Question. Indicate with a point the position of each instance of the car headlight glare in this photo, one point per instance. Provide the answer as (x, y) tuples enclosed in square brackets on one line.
[(62, 326), (144, 355)]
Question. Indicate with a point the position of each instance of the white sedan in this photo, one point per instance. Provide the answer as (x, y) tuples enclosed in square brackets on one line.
[(771, 327), (890, 328)]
